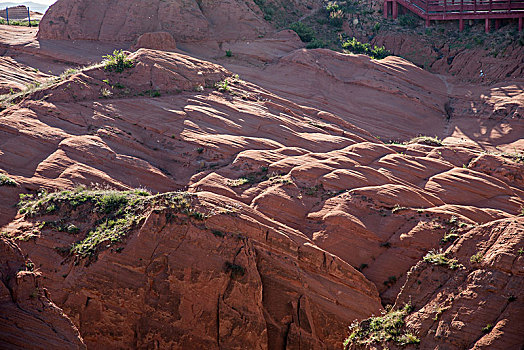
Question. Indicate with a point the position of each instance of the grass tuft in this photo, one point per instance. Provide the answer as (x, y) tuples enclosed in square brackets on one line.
[(439, 258), (7, 181), (379, 329), (426, 140), (117, 62)]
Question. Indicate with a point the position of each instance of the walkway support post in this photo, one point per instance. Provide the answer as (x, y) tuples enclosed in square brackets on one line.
[(461, 25), (521, 24), (386, 9), (486, 25), (395, 9)]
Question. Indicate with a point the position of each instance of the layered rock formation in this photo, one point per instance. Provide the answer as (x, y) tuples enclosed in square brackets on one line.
[(297, 219), (28, 318), (126, 20)]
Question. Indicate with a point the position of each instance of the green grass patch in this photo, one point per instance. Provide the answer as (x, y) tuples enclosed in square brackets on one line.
[(305, 32), (117, 62), (7, 181), (110, 214), (426, 140), (356, 47), (439, 258), (389, 327), (20, 23)]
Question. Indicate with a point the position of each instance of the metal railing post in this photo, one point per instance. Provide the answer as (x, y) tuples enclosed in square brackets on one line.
[(7, 14), (29, 16)]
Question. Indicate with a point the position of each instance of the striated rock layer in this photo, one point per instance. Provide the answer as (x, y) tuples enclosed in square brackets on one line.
[(324, 219), (28, 317), (126, 20)]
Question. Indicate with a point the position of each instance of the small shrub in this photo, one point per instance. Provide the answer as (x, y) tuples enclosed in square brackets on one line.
[(426, 140), (316, 44), (105, 92), (229, 53), (439, 258), (381, 329), (117, 62), (488, 328), (477, 258), (218, 233), (332, 6), (336, 18), (7, 181), (390, 281), (223, 86), (305, 32), (238, 182), (112, 202), (408, 338), (397, 208), (356, 47), (450, 237), (72, 229)]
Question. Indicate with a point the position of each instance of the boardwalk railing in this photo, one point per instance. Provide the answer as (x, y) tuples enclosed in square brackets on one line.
[(461, 9)]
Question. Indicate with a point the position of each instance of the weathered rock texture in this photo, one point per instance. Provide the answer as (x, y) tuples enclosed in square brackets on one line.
[(28, 318), (301, 191), (157, 41), (126, 20), (237, 280)]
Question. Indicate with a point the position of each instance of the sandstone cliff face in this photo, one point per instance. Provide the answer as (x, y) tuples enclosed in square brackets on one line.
[(233, 280), (28, 318), (295, 199), (126, 20), (478, 306)]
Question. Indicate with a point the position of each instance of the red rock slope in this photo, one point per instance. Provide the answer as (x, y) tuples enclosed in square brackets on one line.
[(298, 197), (28, 318)]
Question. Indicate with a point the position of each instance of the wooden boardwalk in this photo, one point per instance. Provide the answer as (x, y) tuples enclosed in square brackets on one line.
[(461, 10)]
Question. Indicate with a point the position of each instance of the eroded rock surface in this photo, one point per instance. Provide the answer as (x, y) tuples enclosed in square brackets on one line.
[(28, 317), (323, 218)]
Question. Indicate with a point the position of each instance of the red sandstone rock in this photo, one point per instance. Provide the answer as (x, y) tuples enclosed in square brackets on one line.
[(156, 41), (317, 196), (28, 317), (126, 20)]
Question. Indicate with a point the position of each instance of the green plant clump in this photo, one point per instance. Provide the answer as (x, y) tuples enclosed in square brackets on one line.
[(356, 47), (7, 181), (21, 23), (427, 140), (382, 329), (477, 258), (439, 258), (305, 32), (117, 62), (450, 237), (316, 44), (115, 213)]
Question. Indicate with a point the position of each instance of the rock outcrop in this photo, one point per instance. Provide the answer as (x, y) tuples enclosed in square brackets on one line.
[(297, 221), (28, 318), (126, 20), (156, 41)]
